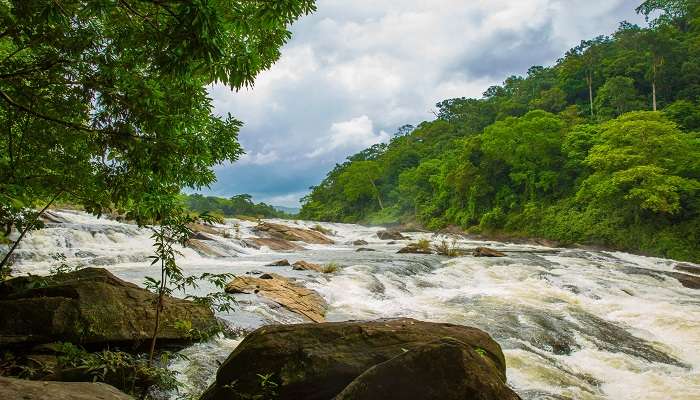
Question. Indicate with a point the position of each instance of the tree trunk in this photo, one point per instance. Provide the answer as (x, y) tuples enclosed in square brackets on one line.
[(379, 196), (159, 307), (589, 80), (653, 87), (26, 229)]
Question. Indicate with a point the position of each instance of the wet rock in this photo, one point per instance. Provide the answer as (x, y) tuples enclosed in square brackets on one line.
[(205, 249), (446, 369), (306, 266), (273, 244), (293, 234), (91, 307), (199, 228), (317, 361), (37, 390), (280, 263), (254, 272), (364, 249), (487, 252), (688, 281), (415, 248), (283, 291), (360, 243), (689, 268), (51, 217), (391, 235)]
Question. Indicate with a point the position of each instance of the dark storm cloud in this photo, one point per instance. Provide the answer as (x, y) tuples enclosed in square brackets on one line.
[(356, 70)]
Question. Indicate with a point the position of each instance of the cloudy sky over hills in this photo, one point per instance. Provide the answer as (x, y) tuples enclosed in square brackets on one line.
[(356, 70)]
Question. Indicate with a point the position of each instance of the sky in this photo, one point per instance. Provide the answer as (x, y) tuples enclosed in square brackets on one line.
[(356, 70)]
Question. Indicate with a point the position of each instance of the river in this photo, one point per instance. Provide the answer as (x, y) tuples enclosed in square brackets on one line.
[(573, 324)]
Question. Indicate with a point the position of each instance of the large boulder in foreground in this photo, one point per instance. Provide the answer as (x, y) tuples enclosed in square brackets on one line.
[(283, 291), (317, 361), (37, 390), (91, 307), (293, 234), (446, 369)]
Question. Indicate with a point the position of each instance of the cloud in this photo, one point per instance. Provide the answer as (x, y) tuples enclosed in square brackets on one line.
[(259, 158), (356, 70), (353, 135)]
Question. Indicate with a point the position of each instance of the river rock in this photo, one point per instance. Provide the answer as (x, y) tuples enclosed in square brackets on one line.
[(317, 361), (293, 234), (415, 248), (446, 369), (360, 243), (198, 228), (273, 244), (283, 291), (364, 249), (204, 248), (280, 263), (688, 268), (391, 235), (487, 252), (91, 307), (37, 390), (306, 266)]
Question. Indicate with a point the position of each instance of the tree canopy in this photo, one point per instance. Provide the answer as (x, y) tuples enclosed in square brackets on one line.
[(572, 152), (105, 104)]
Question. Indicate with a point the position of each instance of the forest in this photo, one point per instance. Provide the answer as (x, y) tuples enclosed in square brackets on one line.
[(601, 148), (235, 206)]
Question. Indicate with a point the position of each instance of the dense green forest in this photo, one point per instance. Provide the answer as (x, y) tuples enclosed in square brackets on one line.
[(600, 148), (239, 205)]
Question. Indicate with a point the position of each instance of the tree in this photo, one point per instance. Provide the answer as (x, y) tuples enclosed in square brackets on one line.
[(582, 62), (104, 102), (642, 162), (360, 180), (617, 96)]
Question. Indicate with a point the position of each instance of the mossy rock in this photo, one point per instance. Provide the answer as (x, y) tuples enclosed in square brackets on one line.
[(90, 307), (317, 361)]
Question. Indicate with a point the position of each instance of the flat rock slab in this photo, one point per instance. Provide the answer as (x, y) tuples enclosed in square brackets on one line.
[(486, 252), (203, 247), (273, 244), (283, 291), (11, 389), (293, 234), (318, 361), (306, 266)]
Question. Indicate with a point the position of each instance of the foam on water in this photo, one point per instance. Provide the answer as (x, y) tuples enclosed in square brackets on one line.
[(575, 324)]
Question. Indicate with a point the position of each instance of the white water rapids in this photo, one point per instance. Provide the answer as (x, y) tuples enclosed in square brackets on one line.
[(573, 324)]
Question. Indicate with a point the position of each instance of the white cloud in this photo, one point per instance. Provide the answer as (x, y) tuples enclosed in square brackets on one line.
[(355, 134), (264, 158)]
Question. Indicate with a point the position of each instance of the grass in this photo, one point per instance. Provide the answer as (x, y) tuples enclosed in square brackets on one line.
[(325, 231), (423, 244), (330, 268), (445, 248)]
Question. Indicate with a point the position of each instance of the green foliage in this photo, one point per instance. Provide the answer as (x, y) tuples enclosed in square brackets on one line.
[(239, 205), (104, 103), (570, 152), (330, 268)]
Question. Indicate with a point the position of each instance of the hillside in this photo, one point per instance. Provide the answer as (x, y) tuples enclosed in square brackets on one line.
[(600, 148)]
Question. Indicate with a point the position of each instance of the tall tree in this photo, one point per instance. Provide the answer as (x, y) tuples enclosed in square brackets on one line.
[(105, 102)]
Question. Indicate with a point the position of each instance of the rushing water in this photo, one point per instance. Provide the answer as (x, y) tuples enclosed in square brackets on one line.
[(573, 324)]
